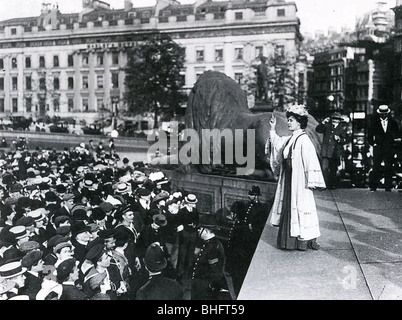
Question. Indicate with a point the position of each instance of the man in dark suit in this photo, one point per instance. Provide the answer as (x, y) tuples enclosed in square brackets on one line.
[(33, 282), (67, 275), (334, 137), (383, 133), (158, 286)]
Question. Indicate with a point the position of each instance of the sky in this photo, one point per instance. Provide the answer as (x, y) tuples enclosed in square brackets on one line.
[(313, 14)]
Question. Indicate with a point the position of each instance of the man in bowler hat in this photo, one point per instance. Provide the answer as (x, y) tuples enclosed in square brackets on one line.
[(383, 133)]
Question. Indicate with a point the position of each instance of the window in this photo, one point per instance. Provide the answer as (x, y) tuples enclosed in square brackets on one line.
[(1, 104), (56, 104), (42, 63), (42, 84), (85, 84), (115, 80), (238, 53), (1, 84), (182, 80), (100, 59), (218, 55), (85, 105), (85, 59), (239, 15), (99, 103), (200, 55), (238, 77), (28, 83), (1, 64), (27, 62), (280, 51), (70, 104), (280, 12), (70, 83), (14, 63), (15, 83), (259, 51), (56, 83), (99, 81), (55, 61), (115, 58), (13, 31), (301, 80), (28, 104), (15, 104), (70, 60)]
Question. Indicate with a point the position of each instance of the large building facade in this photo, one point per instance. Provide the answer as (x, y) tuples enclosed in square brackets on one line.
[(74, 64)]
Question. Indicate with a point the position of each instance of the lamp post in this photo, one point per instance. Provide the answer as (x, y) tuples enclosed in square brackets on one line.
[(115, 110), (331, 99)]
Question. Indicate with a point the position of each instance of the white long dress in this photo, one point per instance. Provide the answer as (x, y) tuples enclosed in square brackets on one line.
[(306, 176)]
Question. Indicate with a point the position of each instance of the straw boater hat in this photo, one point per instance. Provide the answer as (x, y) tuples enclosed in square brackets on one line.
[(383, 109), (12, 269), (191, 198)]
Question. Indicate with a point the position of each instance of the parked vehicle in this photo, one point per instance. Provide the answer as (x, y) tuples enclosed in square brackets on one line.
[(59, 127), (20, 123), (93, 128)]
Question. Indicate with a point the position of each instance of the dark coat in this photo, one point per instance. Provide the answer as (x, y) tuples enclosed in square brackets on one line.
[(378, 138), (80, 251), (32, 285), (190, 220), (331, 148), (209, 260), (142, 216), (71, 292), (160, 288)]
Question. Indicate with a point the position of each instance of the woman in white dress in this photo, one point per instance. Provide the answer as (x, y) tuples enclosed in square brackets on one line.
[(295, 162)]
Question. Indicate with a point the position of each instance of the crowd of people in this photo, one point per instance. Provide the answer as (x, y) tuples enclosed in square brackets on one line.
[(77, 225)]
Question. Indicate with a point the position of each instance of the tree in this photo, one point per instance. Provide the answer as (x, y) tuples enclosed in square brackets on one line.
[(153, 79)]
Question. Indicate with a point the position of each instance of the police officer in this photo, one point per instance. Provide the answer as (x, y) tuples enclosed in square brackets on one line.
[(334, 137), (250, 218), (208, 278)]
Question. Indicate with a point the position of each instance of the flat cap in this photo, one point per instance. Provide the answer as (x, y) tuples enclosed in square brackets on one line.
[(65, 268), (25, 221), (95, 253), (31, 258), (68, 196), (107, 206), (29, 246), (63, 242), (63, 230)]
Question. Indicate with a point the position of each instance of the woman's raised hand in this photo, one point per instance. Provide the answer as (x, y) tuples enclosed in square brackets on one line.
[(272, 122)]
